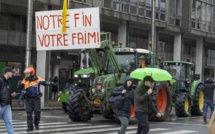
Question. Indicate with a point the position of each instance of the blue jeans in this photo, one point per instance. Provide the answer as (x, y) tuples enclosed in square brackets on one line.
[(6, 114), (207, 103), (143, 123)]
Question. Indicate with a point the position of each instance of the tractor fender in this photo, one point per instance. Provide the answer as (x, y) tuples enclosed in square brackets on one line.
[(194, 85)]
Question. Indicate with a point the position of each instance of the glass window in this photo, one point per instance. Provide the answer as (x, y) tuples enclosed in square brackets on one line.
[(178, 8), (4, 22), (163, 4), (194, 6)]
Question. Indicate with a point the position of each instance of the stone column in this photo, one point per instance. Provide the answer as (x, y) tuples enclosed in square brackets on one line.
[(199, 56), (123, 33), (42, 70), (177, 50)]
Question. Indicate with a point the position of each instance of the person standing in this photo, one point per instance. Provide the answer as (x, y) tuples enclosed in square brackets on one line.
[(123, 112), (208, 91), (55, 88), (30, 86), (5, 99), (142, 103)]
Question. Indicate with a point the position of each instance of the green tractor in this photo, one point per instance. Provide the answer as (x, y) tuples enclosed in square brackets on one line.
[(83, 78), (119, 63), (186, 88)]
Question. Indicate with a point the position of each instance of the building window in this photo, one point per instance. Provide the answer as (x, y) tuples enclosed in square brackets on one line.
[(165, 50), (209, 57), (189, 51)]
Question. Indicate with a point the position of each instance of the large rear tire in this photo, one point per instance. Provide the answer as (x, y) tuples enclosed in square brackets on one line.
[(77, 107), (198, 101), (182, 105), (161, 99)]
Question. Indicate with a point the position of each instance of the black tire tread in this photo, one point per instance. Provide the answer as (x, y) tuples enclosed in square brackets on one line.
[(73, 108)]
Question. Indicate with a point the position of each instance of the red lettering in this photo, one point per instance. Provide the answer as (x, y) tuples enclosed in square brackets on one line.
[(46, 40), (80, 37), (53, 20), (41, 41), (65, 39), (76, 17), (59, 20), (92, 36), (52, 37), (39, 22), (67, 21), (47, 27), (88, 20), (73, 38), (98, 38), (59, 36)]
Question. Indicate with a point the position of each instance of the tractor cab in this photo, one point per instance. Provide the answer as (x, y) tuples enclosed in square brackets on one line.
[(182, 73), (129, 59)]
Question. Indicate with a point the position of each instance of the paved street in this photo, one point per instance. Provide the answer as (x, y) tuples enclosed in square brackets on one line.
[(56, 122)]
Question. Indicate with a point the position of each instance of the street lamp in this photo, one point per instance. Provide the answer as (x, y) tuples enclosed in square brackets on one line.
[(29, 33)]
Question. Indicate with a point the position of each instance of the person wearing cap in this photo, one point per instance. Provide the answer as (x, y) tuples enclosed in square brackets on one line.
[(5, 99), (30, 87), (142, 104), (208, 91)]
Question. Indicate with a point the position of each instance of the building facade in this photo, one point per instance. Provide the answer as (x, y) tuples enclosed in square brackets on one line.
[(184, 29)]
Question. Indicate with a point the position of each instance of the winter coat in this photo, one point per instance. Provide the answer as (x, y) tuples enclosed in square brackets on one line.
[(142, 101), (5, 98), (125, 109), (209, 91), (31, 86)]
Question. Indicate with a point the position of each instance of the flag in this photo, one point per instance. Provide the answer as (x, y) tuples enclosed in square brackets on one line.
[(64, 13)]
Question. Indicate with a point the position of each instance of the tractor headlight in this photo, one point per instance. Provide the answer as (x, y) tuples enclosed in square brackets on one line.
[(76, 76), (93, 90), (85, 76), (103, 90)]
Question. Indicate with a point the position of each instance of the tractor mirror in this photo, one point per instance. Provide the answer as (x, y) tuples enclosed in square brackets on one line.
[(197, 76)]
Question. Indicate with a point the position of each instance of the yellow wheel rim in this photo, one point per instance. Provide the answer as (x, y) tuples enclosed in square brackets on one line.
[(201, 100), (186, 105)]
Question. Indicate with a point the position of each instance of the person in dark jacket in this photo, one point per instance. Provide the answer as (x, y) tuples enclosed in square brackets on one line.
[(123, 112), (142, 103), (30, 87), (5, 99), (208, 98), (55, 88)]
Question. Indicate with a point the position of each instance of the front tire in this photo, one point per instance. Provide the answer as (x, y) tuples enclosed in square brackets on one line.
[(182, 105), (198, 101), (78, 108)]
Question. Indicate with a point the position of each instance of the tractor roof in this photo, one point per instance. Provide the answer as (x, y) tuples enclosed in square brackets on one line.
[(182, 62), (132, 50)]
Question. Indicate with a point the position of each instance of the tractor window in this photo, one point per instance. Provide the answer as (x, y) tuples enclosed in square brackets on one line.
[(126, 62), (141, 61), (177, 72)]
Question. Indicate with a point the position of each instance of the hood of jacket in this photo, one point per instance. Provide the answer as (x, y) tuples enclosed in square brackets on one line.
[(125, 82)]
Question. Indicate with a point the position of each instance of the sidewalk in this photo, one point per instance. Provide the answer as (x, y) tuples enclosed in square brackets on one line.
[(52, 105)]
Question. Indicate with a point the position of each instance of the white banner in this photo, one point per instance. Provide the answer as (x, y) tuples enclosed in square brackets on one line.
[(83, 29)]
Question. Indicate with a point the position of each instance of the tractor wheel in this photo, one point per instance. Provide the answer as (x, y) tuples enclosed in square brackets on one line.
[(108, 114), (182, 105), (64, 105), (77, 107), (198, 101), (161, 99)]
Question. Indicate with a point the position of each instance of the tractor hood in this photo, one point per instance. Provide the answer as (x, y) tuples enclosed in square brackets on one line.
[(102, 83), (85, 71)]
